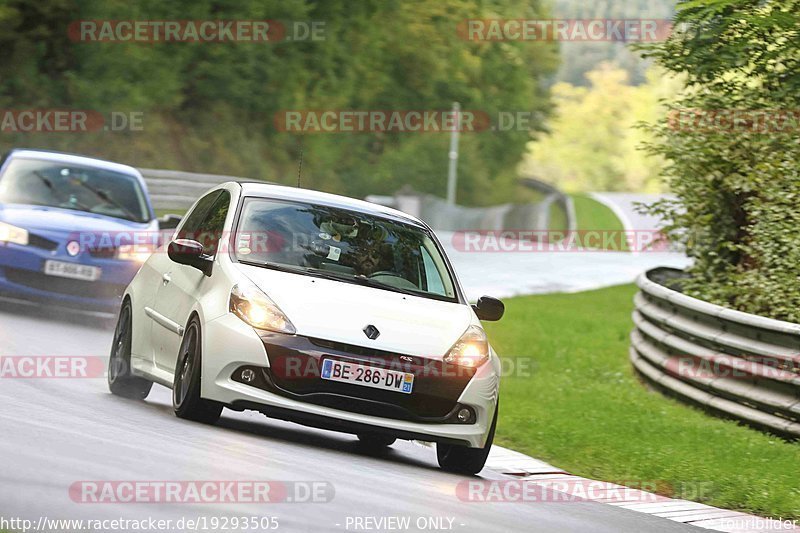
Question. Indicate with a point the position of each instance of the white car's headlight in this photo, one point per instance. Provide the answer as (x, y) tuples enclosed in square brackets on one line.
[(471, 350), (9, 233), (134, 252), (249, 303)]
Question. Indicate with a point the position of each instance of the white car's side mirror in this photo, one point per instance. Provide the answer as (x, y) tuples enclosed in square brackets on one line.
[(188, 252), (489, 308)]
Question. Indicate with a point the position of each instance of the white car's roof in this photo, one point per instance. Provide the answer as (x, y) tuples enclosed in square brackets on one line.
[(286, 192), (74, 159)]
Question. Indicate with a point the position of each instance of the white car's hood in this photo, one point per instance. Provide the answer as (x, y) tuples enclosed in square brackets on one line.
[(339, 311)]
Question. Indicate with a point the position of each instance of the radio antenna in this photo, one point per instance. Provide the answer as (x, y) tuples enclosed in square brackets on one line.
[(300, 163)]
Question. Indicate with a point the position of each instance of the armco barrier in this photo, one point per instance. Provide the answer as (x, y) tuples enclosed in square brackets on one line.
[(178, 190), (172, 189), (441, 215), (735, 364)]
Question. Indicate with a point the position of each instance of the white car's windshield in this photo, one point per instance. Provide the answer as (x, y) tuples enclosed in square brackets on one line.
[(69, 186), (348, 245)]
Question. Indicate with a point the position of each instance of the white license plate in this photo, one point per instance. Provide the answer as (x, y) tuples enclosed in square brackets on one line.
[(71, 270), (367, 376)]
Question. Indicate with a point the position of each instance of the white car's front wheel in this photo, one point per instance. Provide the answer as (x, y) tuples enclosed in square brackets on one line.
[(465, 460), (186, 400)]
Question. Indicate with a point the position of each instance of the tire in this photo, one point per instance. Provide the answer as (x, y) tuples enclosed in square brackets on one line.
[(121, 380), (463, 459), (374, 441), (186, 400)]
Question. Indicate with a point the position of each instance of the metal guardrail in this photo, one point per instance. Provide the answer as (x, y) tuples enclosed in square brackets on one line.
[(172, 189), (442, 216), (553, 196), (178, 190), (734, 364)]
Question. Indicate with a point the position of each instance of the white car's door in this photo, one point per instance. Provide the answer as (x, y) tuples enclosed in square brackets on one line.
[(145, 331), (181, 285)]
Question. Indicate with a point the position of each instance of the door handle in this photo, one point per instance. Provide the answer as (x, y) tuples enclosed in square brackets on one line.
[(166, 278)]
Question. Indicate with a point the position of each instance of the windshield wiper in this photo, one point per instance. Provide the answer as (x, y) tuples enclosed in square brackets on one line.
[(46, 181), (274, 266), (107, 199), (49, 184)]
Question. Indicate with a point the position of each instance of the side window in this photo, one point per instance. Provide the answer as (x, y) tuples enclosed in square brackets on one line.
[(210, 231), (207, 220), (432, 276), (196, 216)]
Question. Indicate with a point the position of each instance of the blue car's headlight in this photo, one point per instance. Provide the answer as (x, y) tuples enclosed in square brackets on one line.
[(134, 252), (9, 233)]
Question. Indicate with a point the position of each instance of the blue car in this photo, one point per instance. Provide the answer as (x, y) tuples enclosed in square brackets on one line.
[(72, 228)]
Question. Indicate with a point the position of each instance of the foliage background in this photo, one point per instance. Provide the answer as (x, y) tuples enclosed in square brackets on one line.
[(737, 190), (578, 58), (601, 91), (593, 142), (210, 107)]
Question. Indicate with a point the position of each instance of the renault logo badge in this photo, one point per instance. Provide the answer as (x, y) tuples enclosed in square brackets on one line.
[(371, 332), (73, 248)]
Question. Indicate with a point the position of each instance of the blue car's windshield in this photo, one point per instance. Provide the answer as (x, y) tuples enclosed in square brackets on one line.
[(68, 186)]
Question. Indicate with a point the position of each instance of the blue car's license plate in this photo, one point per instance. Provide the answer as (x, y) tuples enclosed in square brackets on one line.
[(63, 269)]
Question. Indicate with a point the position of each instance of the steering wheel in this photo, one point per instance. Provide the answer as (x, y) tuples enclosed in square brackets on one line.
[(393, 279), (385, 273)]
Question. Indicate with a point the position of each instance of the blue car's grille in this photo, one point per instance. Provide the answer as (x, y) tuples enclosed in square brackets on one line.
[(103, 253), (41, 242), (71, 287)]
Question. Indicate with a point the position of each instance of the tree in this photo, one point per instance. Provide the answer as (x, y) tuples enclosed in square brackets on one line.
[(592, 144), (737, 182), (211, 107)]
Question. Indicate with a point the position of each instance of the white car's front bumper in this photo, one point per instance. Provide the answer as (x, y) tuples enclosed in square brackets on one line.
[(230, 344)]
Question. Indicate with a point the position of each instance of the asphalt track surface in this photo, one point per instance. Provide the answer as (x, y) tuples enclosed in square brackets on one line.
[(55, 432)]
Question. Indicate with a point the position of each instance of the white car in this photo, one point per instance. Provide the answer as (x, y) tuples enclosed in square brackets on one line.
[(314, 308)]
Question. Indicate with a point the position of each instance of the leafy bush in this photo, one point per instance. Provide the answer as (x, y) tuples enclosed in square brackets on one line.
[(737, 185)]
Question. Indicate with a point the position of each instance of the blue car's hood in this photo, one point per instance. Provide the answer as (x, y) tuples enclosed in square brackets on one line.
[(67, 220)]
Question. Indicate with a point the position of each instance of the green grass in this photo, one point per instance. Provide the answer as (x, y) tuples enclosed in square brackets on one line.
[(583, 410), (162, 212), (592, 215)]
